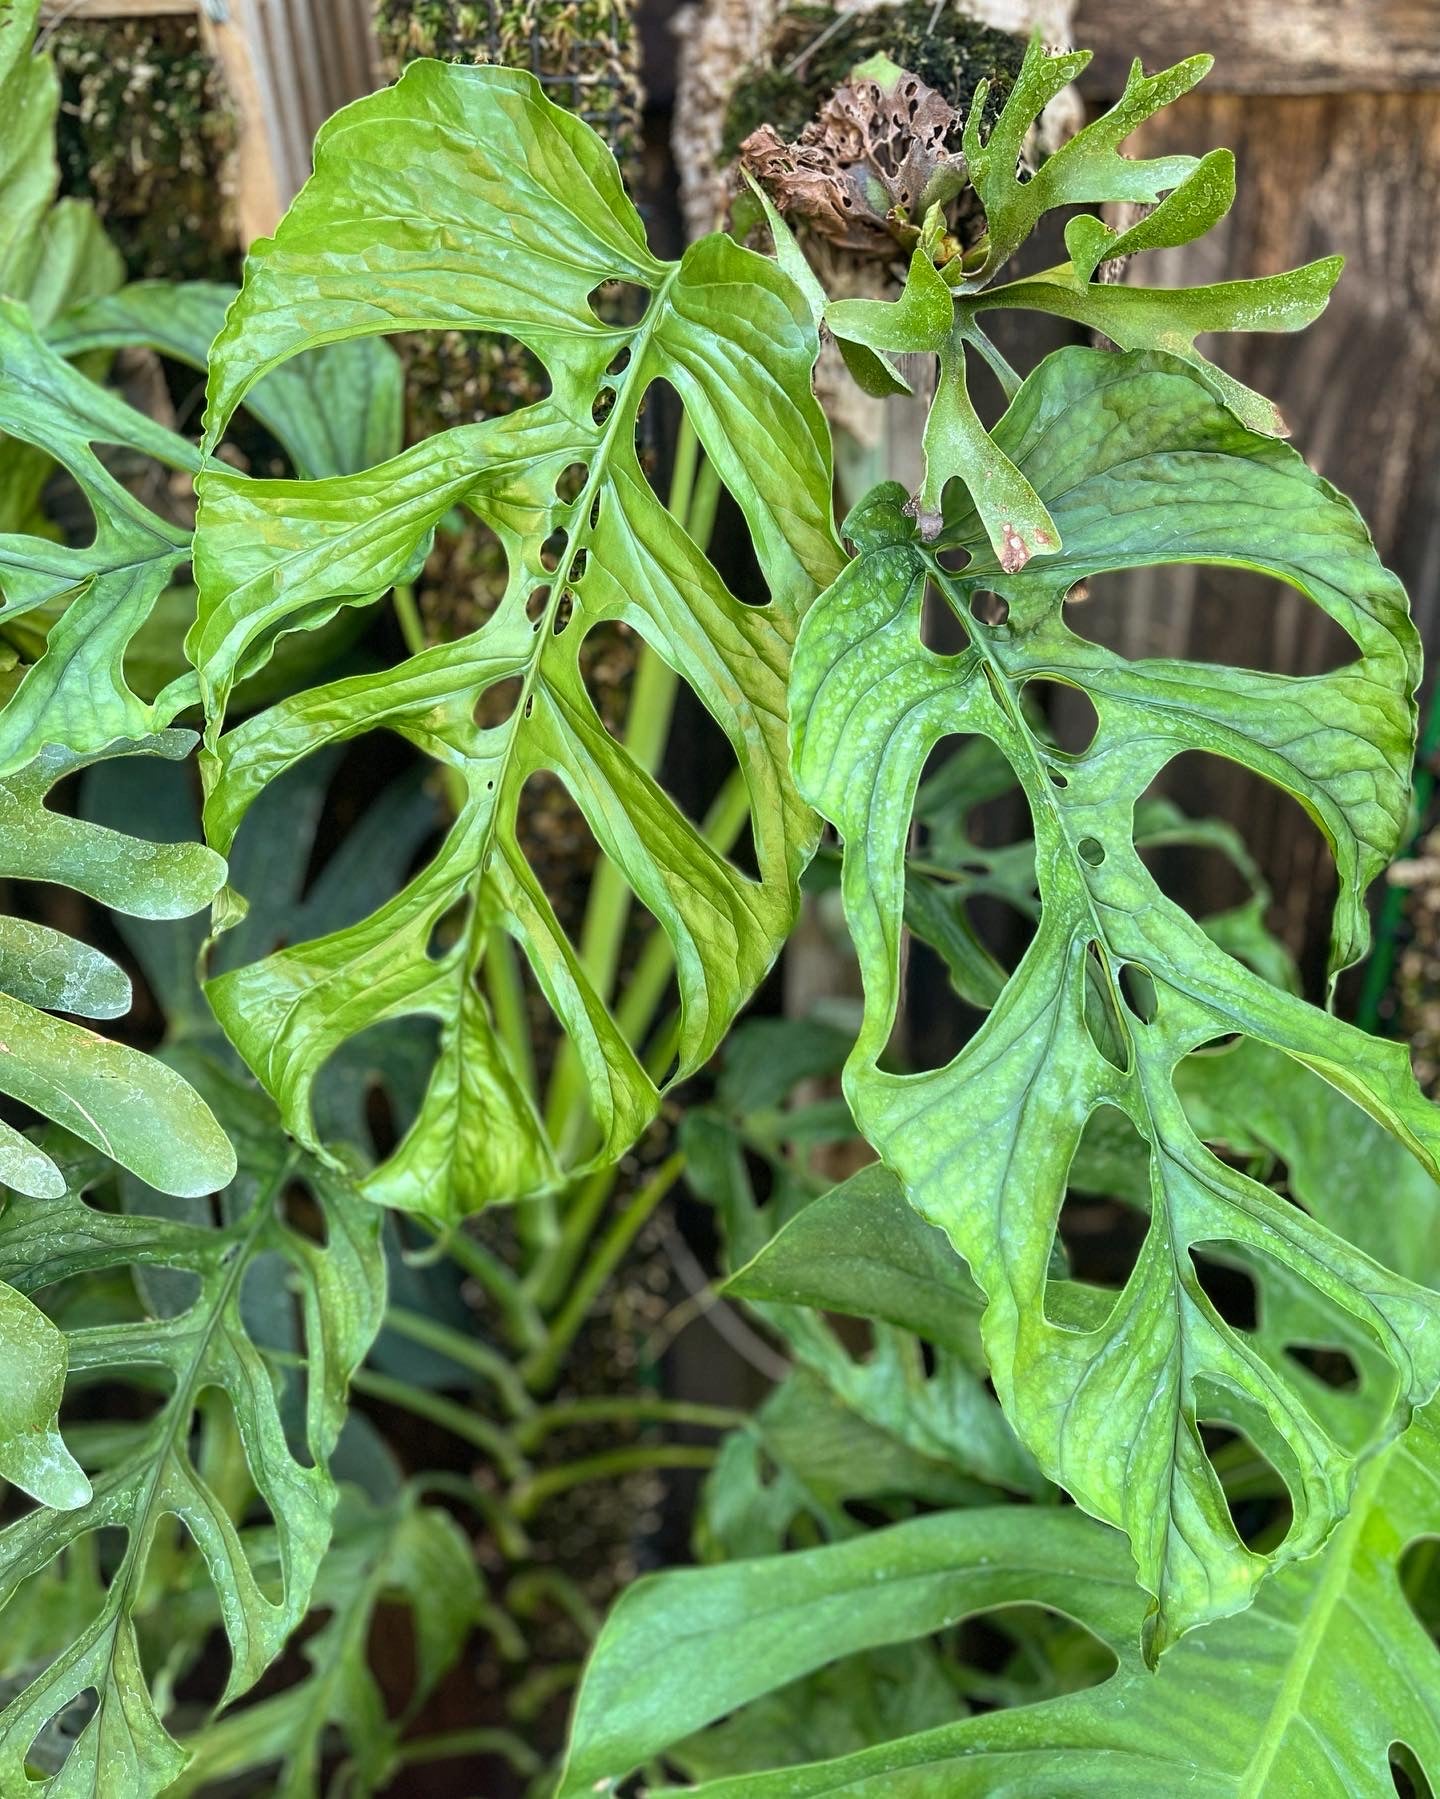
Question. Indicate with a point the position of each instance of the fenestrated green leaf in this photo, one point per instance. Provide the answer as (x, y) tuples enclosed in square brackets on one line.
[(406, 1553), (1108, 1397), (32, 1379), (1306, 1692), (487, 208), (76, 693), (332, 413), (133, 1108), (686, 1647), (197, 1336)]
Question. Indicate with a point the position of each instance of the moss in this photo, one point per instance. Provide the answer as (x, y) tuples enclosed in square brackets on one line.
[(145, 132), (952, 54), (585, 52)]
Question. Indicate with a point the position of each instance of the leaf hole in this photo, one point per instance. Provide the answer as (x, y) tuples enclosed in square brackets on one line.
[(989, 608), (1227, 1284), (619, 362), (1021, 1654), (570, 482), (1137, 987), (1334, 1367), (1255, 1495), (52, 1743), (535, 603), (1418, 1571), (497, 702), (1067, 715), (553, 549), (1406, 1774), (449, 928), (618, 302), (1101, 1010), (1101, 1226), (564, 611), (1091, 850)]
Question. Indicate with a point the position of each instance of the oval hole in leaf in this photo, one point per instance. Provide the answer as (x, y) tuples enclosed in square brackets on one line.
[(1229, 1286), (619, 302), (535, 603), (1255, 1495), (495, 704), (56, 1737), (1137, 985), (570, 482), (1068, 715), (1333, 1366), (1101, 1226), (1407, 1775), (553, 549), (449, 928), (1091, 850), (1108, 1030), (1027, 1650), (1419, 1572), (989, 608)]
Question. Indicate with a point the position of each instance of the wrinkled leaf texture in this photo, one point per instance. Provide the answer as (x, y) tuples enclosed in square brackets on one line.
[(1139, 464), (196, 1334), (1307, 1692), (463, 199)]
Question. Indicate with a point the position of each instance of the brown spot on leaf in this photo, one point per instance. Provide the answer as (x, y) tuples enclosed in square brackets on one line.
[(1015, 552)]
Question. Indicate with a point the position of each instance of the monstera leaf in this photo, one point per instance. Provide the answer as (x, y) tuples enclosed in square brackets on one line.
[(1139, 464), (129, 1106), (1305, 1693), (401, 1553), (76, 694), (1309, 1691), (462, 198), (196, 1331)]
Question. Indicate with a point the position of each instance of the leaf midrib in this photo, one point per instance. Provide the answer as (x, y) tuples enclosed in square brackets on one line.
[(1339, 1561)]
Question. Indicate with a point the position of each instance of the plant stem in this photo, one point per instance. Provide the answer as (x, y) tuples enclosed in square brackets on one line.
[(540, 1367), (609, 1465), (526, 1326), (457, 1419), (479, 1741), (479, 1358), (561, 1416), (407, 616)]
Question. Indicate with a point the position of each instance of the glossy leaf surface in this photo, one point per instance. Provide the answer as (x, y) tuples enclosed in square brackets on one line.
[(197, 1333), (1307, 1692), (1139, 464), (132, 1108), (462, 198)]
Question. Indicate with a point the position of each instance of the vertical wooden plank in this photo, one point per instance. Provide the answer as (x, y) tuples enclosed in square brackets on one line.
[(261, 191), (1359, 174)]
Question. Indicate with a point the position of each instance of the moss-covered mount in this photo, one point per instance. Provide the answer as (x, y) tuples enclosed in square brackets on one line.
[(586, 53), (145, 133), (812, 49)]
